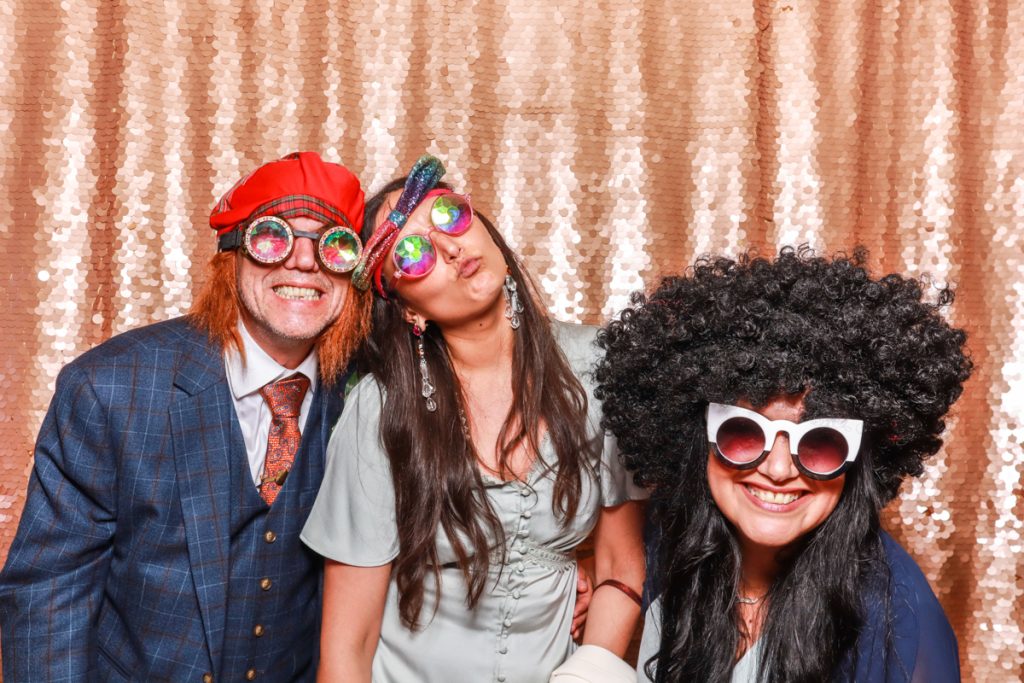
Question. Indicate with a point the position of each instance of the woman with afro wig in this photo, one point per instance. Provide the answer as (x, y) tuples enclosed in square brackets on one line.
[(773, 408)]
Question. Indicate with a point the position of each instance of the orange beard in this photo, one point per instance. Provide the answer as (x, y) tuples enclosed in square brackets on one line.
[(215, 310)]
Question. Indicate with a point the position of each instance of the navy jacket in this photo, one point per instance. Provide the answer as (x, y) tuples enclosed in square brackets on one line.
[(914, 641), (120, 566)]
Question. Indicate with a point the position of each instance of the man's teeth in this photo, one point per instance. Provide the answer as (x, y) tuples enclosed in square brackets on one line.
[(772, 496), (302, 293)]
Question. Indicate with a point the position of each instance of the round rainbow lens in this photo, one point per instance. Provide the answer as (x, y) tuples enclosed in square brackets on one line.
[(268, 241), (451, 214), (414, 256), (339, 250)]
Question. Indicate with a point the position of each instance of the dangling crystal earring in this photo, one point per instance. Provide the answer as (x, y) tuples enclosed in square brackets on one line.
[(428, 387), (513, 307)]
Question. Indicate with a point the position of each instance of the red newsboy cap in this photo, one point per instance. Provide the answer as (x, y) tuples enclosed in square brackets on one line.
[(300, 184)]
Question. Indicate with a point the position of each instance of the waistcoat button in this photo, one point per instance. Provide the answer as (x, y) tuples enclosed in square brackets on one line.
[(258, 630), (250, 675), (269, 537), (266, 583), (207, 678)]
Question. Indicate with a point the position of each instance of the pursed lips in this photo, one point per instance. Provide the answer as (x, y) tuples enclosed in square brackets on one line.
[(468, 267)]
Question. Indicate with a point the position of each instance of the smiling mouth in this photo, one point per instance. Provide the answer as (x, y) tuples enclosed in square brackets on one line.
[(773, 497), (468, 267), (297, 293)]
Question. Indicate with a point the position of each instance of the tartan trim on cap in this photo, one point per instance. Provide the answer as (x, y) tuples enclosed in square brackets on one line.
[(294, 205)]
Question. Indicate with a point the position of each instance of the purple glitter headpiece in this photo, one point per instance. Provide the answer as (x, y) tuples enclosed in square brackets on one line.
[(422, 178)]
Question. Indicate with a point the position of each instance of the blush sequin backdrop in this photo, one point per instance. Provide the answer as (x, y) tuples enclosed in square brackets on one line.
[(613, 141)]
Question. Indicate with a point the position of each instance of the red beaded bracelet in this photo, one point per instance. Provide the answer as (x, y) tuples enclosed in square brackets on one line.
[(630, 593)]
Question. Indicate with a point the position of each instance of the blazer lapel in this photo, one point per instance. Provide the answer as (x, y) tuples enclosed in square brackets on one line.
[(201, 419)]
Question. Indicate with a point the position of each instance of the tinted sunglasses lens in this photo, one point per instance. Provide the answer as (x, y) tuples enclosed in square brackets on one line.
[(451, 214), (414, 255), (339, 250), (740, 440), (268, 241), (822, 450)]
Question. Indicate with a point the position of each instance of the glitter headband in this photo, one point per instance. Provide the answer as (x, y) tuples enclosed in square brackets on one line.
[(425, 174)]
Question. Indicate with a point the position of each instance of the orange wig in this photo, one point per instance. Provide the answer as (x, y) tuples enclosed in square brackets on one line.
[(215, 310)]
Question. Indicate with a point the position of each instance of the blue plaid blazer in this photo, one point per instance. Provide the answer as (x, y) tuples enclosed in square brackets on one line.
[(119, 569)]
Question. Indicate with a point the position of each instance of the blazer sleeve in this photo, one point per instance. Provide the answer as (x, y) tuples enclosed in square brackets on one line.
[(53, 582)]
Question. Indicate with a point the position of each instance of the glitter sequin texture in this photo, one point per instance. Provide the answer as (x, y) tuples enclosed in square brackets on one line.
[(664, 128)]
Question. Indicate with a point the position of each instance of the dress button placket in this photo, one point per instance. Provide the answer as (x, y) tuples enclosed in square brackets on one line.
[(516, 579)]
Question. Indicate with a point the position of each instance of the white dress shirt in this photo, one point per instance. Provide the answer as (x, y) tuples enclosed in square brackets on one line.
[(245, 381)]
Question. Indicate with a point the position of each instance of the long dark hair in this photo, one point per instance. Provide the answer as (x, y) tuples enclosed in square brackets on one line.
[(814, 608), (434, 466), (756, 328)]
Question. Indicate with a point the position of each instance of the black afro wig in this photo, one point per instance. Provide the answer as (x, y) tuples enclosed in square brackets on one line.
[(860, 347)]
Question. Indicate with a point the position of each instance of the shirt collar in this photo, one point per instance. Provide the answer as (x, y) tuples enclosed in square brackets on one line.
[(259, 369)]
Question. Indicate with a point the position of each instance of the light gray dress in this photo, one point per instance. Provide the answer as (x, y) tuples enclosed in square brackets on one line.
[(519, 630), (745, 670)]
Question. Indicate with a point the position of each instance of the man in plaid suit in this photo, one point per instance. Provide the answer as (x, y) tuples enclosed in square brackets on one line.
[(160, 536)]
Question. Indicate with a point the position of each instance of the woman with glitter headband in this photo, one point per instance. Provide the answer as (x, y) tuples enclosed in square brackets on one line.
[(774, 407), (465, 471)]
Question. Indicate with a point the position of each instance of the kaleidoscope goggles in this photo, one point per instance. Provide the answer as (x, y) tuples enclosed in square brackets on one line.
[(415, 255), (270, 240), (821, 449)]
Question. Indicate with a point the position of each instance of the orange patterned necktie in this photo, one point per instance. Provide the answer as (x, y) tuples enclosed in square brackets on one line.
[(285, 401)]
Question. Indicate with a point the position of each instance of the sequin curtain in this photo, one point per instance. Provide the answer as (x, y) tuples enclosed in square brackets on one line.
[(613, 141)]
